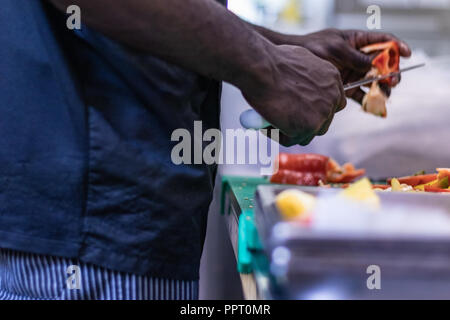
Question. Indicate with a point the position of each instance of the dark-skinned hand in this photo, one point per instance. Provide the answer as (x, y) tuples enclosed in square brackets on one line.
[(299, 94), (342, 49)]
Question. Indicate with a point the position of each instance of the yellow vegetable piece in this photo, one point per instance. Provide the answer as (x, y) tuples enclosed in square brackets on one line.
[(396, 185), (362, 191), (294, 204), (429, 184)]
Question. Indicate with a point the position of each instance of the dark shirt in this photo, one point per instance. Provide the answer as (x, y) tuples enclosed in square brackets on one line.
[(85, 148)]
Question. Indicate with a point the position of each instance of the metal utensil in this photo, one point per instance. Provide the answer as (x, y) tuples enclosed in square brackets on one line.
[(250, 119)]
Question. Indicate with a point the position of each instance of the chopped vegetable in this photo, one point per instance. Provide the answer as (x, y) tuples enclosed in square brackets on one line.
[(298, 178), (437, 182), (443, 172), (421, 187), (345, 174), (362, 191), (437, 190), (313, 170), (416, 180), (380, 186), (395, 185), (295, 204), (443, 183), (374, 101), (303, 162), (387, 61)]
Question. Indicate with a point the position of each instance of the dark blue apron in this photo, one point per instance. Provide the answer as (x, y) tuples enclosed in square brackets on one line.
[(85, 148)]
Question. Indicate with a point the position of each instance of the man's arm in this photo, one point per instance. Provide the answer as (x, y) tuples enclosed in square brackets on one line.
[(290, 87), (195, 34)]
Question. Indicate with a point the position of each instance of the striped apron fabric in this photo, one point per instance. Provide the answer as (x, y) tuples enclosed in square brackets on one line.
[(25, 276)]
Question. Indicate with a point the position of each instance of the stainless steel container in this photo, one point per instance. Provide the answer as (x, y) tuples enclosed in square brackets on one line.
[(309, 264)]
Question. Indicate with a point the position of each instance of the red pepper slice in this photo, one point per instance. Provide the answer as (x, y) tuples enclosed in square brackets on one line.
[(436, 190), (416, 180), (346, 174), (387, 61), (381, 186), (298, 178), (303, 162), (308, 169)]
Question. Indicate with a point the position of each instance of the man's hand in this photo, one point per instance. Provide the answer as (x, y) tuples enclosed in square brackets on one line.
[(342, 48), (299, 95)]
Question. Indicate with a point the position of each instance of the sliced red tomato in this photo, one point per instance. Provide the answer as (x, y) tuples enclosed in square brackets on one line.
[(416, 180)]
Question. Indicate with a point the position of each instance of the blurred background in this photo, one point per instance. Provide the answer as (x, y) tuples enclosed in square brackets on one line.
[(414, 136), (423, 23), (411, 138)]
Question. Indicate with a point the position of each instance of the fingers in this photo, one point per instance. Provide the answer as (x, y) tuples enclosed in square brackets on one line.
[(287, 141), (386, 89), (282, 139), (302, 140), (396, 80), (358, 95), (342, 103), (325, 127), (307, 140), (363, 38), (358, 60), (343, 100)]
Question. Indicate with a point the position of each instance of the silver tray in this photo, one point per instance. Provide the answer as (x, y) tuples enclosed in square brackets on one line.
[(309, 264)]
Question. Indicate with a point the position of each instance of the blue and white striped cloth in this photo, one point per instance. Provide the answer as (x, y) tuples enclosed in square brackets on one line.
[(25, 276)]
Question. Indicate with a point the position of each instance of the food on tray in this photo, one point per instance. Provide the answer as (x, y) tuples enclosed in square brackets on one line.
[(397, 186), (313, 170), (387, 61), (437, 182), (417, 179), (362, 191), (298, 206), (443, 172), (345, 174), (295, 204), (319, 170), (298, 177)]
